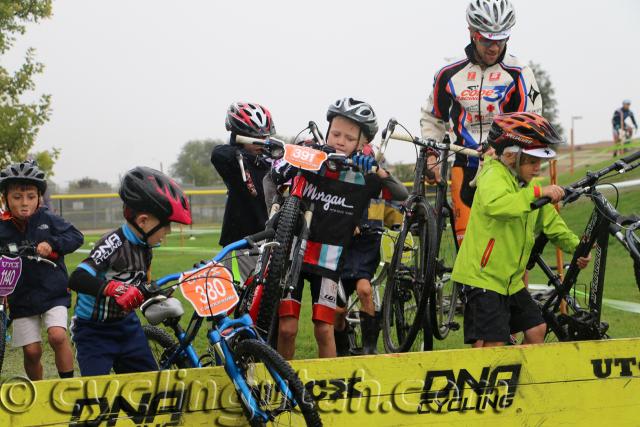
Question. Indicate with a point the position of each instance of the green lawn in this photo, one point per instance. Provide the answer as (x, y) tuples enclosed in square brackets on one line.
[(180, 252)]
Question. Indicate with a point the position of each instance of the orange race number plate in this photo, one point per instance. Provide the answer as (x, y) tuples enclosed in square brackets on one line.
[(304, 157), (210, 290)]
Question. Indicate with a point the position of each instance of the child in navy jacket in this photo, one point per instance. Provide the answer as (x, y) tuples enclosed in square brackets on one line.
[(41, 294)]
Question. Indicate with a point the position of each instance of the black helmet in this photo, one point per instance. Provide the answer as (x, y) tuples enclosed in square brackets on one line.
[(358, 111), (23, 173), (249, 119), (147, 190)]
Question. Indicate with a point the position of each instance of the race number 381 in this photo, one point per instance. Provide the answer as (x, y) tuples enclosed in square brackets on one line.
[(210, 290)]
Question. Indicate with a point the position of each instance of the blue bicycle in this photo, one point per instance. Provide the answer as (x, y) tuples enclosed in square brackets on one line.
[(271, 393)]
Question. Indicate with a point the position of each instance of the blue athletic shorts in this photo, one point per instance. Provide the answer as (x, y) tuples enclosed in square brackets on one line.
[(120, 345)]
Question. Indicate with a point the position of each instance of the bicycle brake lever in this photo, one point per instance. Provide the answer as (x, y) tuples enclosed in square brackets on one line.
[(37, 258), (572, 196)]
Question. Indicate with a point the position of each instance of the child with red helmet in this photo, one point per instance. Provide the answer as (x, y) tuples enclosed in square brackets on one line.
[(113, 280), (501, 232), (245, 210), (41, 296)]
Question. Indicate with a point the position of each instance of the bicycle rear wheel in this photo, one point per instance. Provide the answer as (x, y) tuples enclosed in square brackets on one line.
[(278, 266), (444, 298), (162, 345), (258, 364), (410, 276)]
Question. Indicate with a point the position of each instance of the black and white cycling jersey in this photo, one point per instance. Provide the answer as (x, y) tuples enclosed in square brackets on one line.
[(466, 97)]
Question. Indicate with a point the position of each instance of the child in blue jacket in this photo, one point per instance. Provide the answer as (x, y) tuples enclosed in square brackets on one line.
[(41, 295)]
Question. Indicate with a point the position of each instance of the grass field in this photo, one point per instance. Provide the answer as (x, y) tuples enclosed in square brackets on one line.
[(179, 253)]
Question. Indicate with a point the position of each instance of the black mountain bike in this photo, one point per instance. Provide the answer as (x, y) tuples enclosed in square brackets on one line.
[(579, 323), (419, 269)]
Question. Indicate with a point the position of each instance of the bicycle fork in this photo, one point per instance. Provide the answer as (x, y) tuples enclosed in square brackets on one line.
[(298, 255), (242, 384)]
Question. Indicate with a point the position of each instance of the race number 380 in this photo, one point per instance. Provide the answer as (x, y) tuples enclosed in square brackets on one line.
[(210, 290), (304, 157)]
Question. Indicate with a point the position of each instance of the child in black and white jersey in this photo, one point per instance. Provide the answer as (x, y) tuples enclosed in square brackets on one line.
[(114, 280)]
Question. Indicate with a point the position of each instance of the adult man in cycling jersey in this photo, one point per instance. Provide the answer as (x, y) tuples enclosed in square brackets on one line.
[(621, 129), (470, 91)]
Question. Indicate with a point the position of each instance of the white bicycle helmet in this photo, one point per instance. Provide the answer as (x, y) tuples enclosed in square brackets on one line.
[(358, 111), (493, 19)]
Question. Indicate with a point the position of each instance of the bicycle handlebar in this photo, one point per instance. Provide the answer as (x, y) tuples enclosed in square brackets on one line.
[(28, 252), (432, 143), (573, 191), (269, 233), (274, 146), (249, 140), (249, 241)]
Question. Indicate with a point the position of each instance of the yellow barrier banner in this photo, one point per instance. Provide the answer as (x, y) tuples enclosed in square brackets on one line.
[(579, 383)]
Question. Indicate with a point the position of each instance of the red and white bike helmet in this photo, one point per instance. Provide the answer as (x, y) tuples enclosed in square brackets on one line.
[(249, 119)]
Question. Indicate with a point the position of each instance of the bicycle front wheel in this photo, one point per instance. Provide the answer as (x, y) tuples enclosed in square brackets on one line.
[(260, 365), (409, 277), (444, 298), (278, 265)]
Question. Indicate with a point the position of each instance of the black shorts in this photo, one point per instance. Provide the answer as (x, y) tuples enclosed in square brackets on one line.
[(490, 316), (362, 258)]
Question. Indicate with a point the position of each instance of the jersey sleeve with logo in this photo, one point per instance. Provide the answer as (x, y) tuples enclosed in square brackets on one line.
[(113, 257)]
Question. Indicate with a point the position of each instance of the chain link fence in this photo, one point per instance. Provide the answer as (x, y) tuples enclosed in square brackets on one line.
[(104, 211)]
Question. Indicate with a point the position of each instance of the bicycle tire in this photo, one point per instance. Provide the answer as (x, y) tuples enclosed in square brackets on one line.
[(247, 353), (272, 292), (160, 343), (3, 336), (444, 298), (409, 283)]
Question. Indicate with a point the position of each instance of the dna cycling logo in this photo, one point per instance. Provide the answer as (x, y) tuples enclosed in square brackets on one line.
[(488, 93), (329, 200), (106, 248)]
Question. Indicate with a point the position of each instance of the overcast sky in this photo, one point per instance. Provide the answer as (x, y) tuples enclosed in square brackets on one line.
[(132, 81)]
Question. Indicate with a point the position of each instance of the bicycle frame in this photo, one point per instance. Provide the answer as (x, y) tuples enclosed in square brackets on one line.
[(223, 330), (186, 337), (442, 206), (596, 232), (584, 324)]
